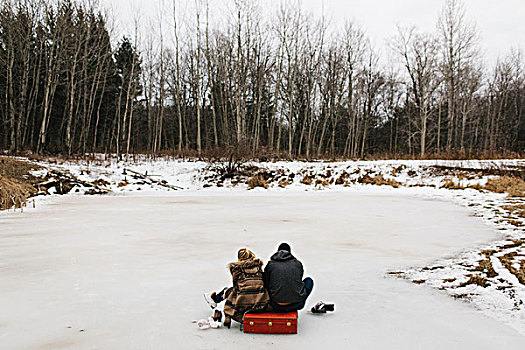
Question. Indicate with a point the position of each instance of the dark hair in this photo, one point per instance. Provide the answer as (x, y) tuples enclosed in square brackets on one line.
[(285, 246)]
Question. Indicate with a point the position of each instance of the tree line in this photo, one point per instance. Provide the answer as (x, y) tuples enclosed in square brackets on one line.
[(288, 84)]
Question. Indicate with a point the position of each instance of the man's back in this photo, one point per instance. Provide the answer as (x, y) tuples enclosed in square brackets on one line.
[(283, 277)]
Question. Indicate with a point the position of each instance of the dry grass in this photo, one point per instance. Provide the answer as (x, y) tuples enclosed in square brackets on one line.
[(257, 181), (341, 180), (488, 252), (421, 185), (520, 213), (475, 187), (507, 260), (378, 180), (283, 183), (395, 273), (321, 182), (450, 184), (14, 193), (15, 183), (518, 210), (485, 266), (514, 186), (307, 180), (15, 169), (515, 223), (461, 296), (397, 170), (102, 182), (477, 280), (514, 244), (465, 154)]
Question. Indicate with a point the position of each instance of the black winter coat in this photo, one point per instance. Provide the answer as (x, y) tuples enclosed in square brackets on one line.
[(283, 278)]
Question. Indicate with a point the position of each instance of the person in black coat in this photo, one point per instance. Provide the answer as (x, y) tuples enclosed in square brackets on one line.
[(283, 278)]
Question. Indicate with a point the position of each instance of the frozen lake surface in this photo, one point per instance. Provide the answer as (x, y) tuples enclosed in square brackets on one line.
[(128, 272)]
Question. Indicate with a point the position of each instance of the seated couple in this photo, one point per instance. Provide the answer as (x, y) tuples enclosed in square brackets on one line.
[(280, 288)]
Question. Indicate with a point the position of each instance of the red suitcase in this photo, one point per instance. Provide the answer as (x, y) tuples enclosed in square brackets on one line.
[(271, 323)]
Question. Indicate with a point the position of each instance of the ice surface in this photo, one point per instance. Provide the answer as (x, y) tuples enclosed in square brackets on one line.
[(128, 272)]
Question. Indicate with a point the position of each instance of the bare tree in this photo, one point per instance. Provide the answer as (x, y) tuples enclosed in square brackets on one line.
[(354, 43), (419, 52), (458, 49)]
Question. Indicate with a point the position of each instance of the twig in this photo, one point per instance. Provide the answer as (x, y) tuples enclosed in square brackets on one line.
[(146, 177)]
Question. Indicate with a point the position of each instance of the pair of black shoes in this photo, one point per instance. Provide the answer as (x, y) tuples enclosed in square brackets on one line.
[(322, 308), (217, 317)]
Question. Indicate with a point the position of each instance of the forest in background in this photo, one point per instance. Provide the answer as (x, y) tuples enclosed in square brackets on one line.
[(287, 85)]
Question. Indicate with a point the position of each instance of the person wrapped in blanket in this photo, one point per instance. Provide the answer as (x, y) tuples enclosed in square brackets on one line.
[(248, 293)]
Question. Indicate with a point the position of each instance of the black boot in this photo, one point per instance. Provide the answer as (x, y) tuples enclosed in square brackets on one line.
[(217, 316), (322, 308), (227, 321)]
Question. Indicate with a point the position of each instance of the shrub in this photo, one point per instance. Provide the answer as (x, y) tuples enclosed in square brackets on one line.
[(257, 181), (509, 261), (477, 280), (15, 183), (378, 180), (321, 182), (451, 185), (283, 183), (14, 193), (477, 187), (486, 267), (307, 180), (514, 186), (16, 169)]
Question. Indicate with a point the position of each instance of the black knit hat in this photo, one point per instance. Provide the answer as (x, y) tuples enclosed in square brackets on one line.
[(285, 246)]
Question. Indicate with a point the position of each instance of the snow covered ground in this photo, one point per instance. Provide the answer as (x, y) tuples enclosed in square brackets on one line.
[(129, 268), (128, 272), (199, 175)]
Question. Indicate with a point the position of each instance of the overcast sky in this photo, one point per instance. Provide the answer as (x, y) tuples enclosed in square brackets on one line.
[(501, 23)]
